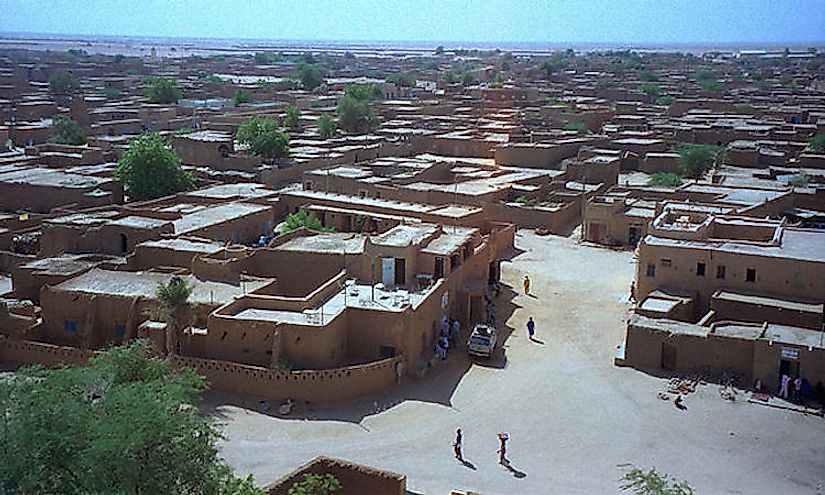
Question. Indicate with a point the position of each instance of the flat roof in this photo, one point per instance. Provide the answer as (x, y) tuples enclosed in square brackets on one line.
[(138, 222), (451, 239), (348, 243), (767, 300), (404, 235), (185, 245), (244, 190), (215, 215), (49, 177), (144, 284)]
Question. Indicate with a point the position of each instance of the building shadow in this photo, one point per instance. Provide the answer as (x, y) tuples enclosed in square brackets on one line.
[(505, 307)]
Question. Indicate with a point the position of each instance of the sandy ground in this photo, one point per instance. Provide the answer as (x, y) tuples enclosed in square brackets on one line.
[(571, 415)]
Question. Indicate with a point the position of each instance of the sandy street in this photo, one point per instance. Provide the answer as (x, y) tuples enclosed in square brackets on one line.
[(572, 416)]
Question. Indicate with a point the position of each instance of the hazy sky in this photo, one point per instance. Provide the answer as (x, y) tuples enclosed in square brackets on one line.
[(578, 21)]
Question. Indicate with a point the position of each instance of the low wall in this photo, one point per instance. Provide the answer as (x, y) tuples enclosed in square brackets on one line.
[(319, 386)]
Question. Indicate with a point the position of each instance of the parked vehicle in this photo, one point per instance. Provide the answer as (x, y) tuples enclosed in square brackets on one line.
[(482, 341)]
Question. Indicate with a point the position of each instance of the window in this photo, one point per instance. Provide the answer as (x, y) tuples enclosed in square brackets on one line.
[(70, 325), (120, 330), (750, 275), (700, 269), (651, 270), (666, 262), (720, 271)]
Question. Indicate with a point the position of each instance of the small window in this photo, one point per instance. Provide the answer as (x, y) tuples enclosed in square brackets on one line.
[(651, 270), (720, 271), (69, 325), (666, 262), (750, 275), (120, 330), (700, 269)]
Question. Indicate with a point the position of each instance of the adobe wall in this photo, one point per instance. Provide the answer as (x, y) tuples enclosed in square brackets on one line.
[(727, 309), (315, 386), (355, 479)]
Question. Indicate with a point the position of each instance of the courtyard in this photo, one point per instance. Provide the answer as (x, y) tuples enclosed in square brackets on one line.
[(571, 415)]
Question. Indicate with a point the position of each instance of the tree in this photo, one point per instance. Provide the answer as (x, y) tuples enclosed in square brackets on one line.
[(300, 219), (817, 143), (664, 179), (363, 92), (162, 90), (664, 100), (326, 126), (404, 79), (67, 131), (62, 83), (651, 482), (265, 58), (467, 78), (696, 159), (311, 76), (126, 423), (439, 50), (150, 169), (292, 118), (174, 308), (798, 180), (579, 127), (448, 76), (111, 93), (356, 116), (241, 97), (650, 89), (263, 137), (316, 484)]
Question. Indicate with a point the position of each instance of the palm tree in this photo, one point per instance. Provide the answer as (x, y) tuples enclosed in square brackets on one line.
[(175, 309)]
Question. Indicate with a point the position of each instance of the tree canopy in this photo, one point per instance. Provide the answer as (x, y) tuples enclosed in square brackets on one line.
[(62, 83), (241, 97), (67, 131), (696, 159), (150, 169), (311, 75), (300, 219), (356, 116), (127, 423), (263, 137), (664, 179), (162, 90), (326, 126), (174, 308), (652, 482), (579, 127), (817, 143), (315, 484), (404, 79), (292, 118)]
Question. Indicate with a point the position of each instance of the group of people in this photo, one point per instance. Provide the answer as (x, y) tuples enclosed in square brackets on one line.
[(448, 335), (502, 450), (794, 389)]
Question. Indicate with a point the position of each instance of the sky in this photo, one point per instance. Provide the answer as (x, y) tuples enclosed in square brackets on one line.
[(798, 22)]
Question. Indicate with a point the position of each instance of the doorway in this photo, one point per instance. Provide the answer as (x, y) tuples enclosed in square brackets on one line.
[(633, 235), (124, 244), (594, 232), (438, 270), (400, 271), (668, 356), (789, 367)]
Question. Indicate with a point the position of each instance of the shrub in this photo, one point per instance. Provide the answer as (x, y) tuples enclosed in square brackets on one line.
[(263, 137), (664, 179)]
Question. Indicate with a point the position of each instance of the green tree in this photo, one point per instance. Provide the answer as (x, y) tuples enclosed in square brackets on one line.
[(664, 179), (111, 93), (241, 97), (439, 50), (404, 79), (302, 219), (798, 180), (467, 78), (817, 143), (448, 76), (67, 131), (696, 159), (356, 116), (150, 169), (664, 100), (326, 126), (648, 76), (579, 127), (127, 423), (174, 308), (650, 89), (263, 137), (265, 58), (315, 484), (311, 76), (292, 118), (162, 90), (62, 83), (651, 482), (363, 92)]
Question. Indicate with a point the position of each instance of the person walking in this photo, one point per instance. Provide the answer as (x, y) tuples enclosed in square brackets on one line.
[(502, 450), (457, 445), (797, 389), (783, 387), (531, 328), (526, 285)]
